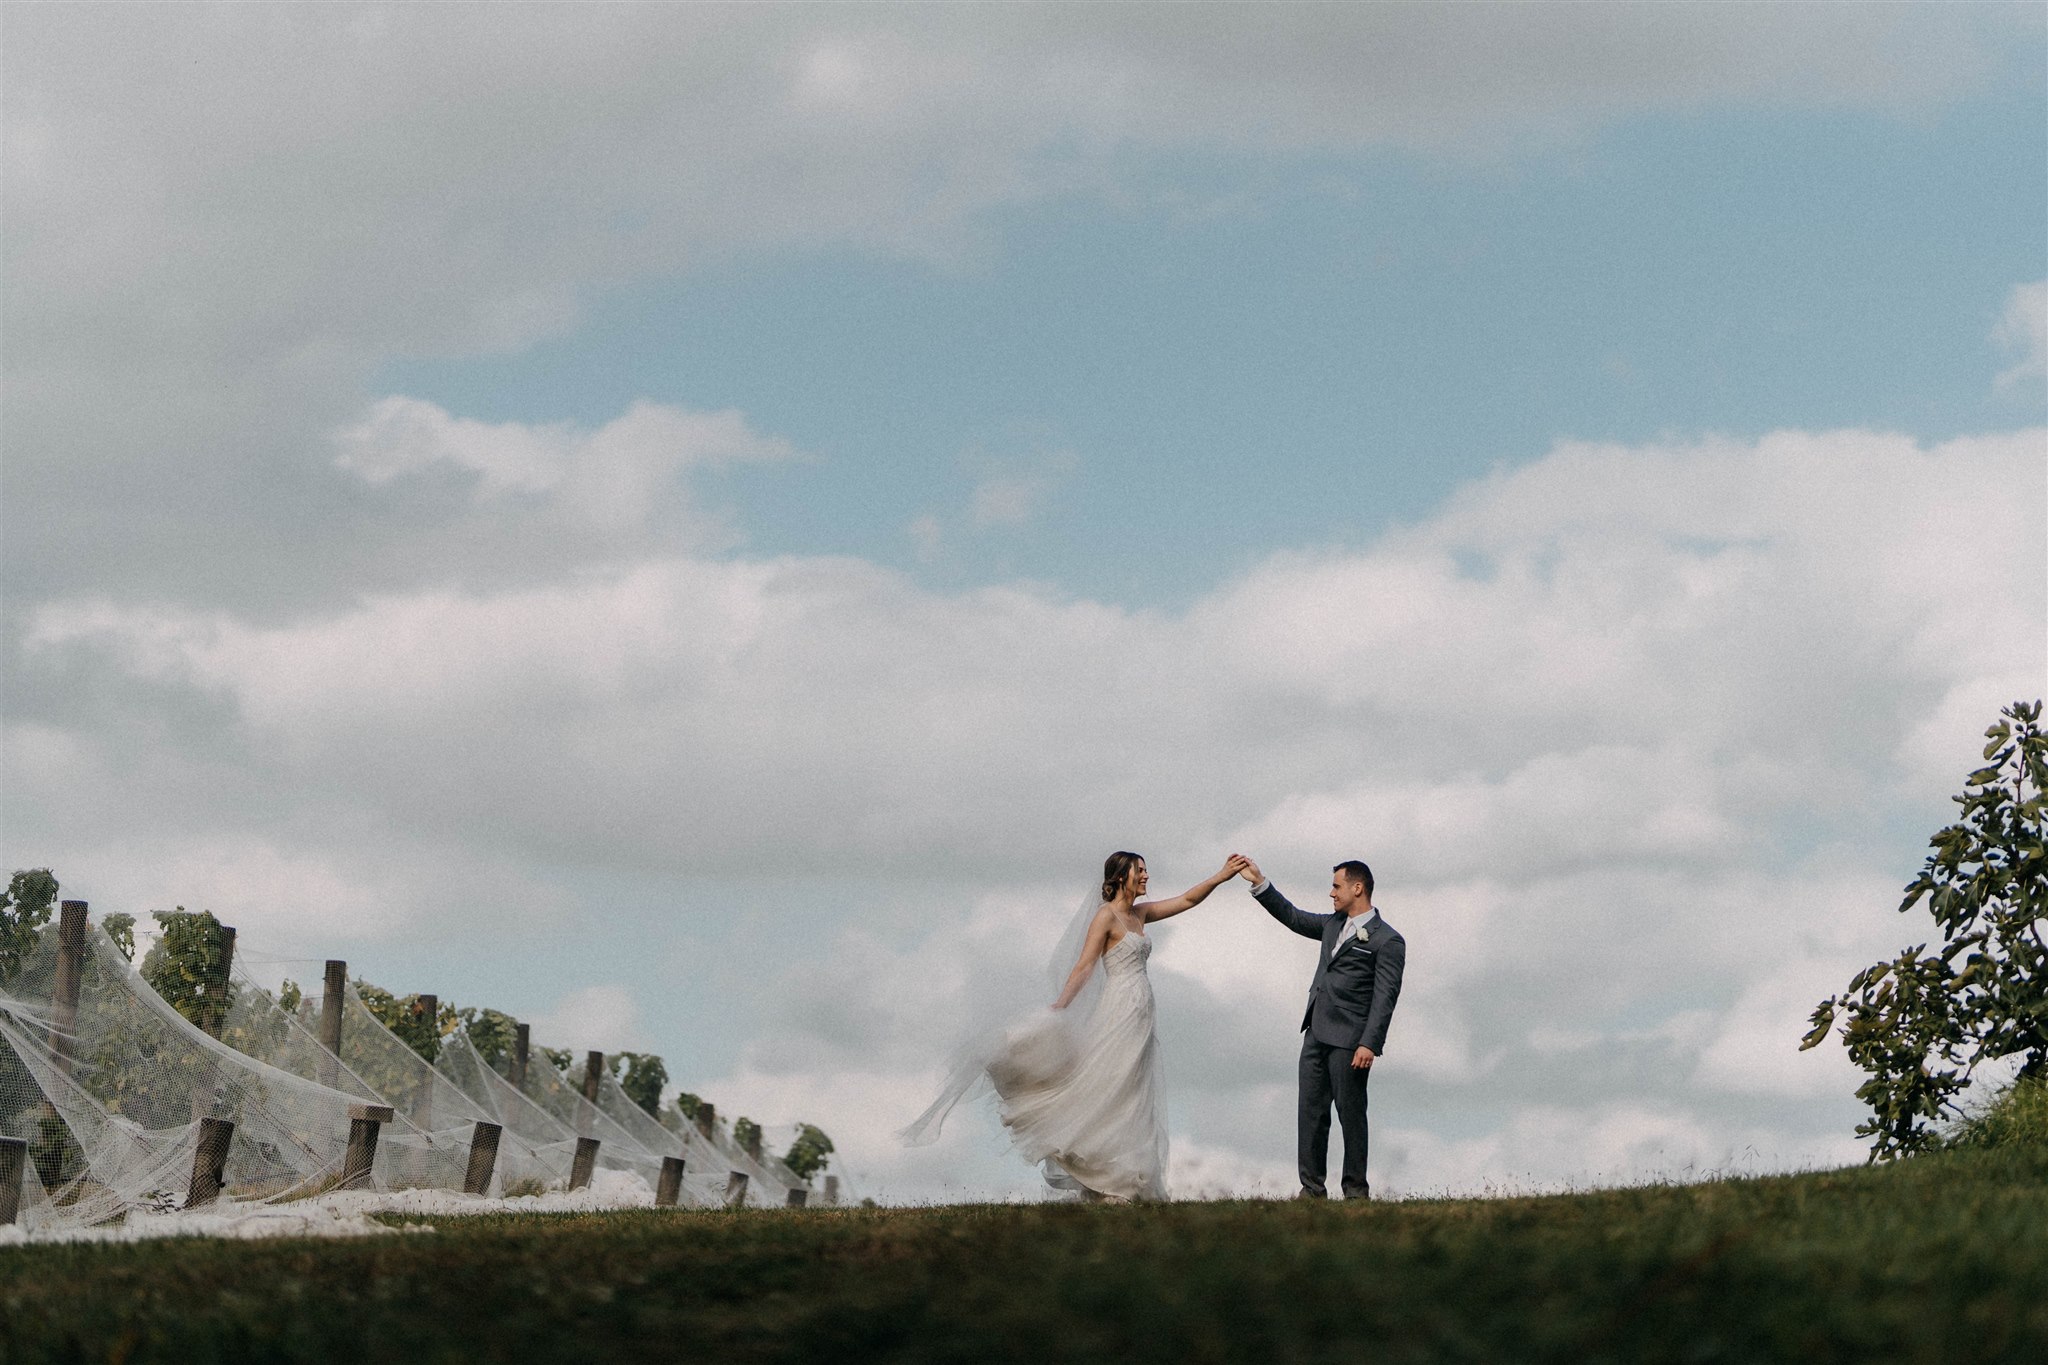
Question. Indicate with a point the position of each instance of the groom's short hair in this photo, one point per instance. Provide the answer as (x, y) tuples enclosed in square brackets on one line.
[(1356, 871)]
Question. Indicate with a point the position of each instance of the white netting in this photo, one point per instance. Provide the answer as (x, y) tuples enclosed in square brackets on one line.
[(766, 1173), (376, 1065), (617, 1148), (84, 1164), (769, 1179), (109, 1096), (551, 1139), (128, 1079), (704, 1171)]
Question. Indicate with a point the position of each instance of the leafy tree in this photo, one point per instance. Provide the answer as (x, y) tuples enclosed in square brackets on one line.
[(407, 1017), (746, 1133), (810, 1153), (642, 1075), (121, 929), (1920, 1024), (25, 907), (559, 1057), (261, 1022), (493, 1033), (689, 1106), (184, 964)]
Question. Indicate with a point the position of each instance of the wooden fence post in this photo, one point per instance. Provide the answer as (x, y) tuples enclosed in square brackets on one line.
[(707, 1118), (671, 1187), (216, 1011), (831, 1189), (522, 1038), (13, 1171), (209, 1162), (754, 1143), (736, 1189), (364, 1122), (798, 1197), (483, 1158), (70, 976), (334, 995), (585, 1164), (593, 1069)]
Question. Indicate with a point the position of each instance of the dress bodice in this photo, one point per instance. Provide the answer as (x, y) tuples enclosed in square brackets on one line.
[(1127, 955)]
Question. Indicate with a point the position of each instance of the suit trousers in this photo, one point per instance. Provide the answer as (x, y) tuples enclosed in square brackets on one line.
[(1327, 1077)]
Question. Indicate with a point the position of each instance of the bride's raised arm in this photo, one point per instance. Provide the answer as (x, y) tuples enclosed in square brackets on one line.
[(1092, 949), (1190, 898)]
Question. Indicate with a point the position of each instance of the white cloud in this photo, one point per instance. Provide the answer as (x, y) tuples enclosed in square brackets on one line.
[(222, 223), (1012, 493), (1640, 742), (604, 1018), (444, 192), (2023, 330), (610, 479)]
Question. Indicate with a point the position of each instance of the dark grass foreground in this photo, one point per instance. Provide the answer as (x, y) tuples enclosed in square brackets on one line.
[(1943, 1258)]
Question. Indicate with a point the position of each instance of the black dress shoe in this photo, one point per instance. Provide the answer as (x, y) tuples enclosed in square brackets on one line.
[(1307, 1193)]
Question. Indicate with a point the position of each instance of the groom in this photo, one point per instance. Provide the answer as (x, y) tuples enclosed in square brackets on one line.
[(1350, 999)]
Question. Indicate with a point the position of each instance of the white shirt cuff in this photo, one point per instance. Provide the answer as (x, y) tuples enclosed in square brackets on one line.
[(1262, 886)]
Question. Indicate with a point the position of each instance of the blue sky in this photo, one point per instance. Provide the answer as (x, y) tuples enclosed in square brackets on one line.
[(1245, 354)]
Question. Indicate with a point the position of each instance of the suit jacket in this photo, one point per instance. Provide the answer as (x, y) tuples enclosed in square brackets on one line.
[(1351, 997)]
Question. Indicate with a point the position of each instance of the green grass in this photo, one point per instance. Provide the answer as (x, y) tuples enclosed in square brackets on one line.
[(1943, 1258)]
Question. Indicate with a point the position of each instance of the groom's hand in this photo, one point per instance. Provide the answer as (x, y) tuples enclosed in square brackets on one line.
[(1361, 1059), (1250, 871)]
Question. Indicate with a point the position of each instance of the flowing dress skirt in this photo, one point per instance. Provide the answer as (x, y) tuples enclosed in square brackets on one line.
[(1086, 1100)]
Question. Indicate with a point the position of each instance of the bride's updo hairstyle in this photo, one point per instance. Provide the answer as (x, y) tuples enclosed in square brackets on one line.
[(1116, 870)]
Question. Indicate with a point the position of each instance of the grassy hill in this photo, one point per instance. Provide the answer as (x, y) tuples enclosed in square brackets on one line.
[(1943, 1258)]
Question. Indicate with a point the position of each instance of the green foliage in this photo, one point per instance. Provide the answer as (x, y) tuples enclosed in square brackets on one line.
[(746, 1133), (121, 929), (141, 1065), (689, 1106), (25, 907), (184, 965), (407, 1017), (55, 1153), (559, 1057), (810, 1153), (1921, 1023), (2016, 1116), (493, 1033), (642, 1075), (261, 1022)]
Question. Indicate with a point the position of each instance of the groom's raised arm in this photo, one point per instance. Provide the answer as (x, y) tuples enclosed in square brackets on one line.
[(1283, 909)]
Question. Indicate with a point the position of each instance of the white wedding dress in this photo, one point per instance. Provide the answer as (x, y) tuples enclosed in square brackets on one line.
[(1080, 1090), (1088, 1103)]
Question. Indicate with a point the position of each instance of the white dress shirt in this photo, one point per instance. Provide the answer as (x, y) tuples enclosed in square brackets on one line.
[(1354, 927)]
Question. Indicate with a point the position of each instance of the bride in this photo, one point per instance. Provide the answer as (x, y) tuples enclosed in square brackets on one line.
[(1078, 1086)]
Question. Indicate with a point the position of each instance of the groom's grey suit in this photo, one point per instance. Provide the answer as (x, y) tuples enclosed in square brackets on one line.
[(1350, 1002)]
